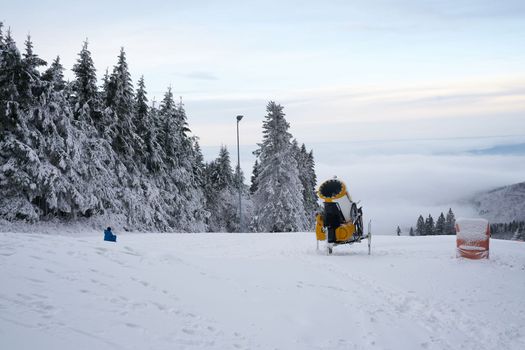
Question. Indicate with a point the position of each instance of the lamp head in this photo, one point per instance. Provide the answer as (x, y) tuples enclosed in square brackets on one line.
[(239, 117)]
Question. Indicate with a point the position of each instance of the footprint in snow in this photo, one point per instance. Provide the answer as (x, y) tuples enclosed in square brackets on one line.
[(40, 296), (34, 280), (24, 296), (160, 306), (129, 251)]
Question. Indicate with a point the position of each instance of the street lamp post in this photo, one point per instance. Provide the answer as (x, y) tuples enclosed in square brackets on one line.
[(239, 117)]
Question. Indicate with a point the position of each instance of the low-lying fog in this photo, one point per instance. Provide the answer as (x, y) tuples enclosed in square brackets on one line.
[(396, 181)]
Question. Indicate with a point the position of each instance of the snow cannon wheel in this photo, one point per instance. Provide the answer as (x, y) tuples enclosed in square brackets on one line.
[(354, 213), (357, 219)]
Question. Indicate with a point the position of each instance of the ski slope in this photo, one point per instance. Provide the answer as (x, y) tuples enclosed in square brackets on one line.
[(256, 291)]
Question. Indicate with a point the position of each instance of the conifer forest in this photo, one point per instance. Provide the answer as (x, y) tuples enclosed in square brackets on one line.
[(100, 151)]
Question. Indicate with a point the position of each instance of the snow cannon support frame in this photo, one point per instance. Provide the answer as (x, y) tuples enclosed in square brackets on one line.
[(341, 221)]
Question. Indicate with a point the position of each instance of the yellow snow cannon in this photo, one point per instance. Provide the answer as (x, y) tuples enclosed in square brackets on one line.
[(341, 221)]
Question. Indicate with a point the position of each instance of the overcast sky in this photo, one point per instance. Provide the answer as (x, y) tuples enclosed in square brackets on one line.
[(346, 71), (336, 66)]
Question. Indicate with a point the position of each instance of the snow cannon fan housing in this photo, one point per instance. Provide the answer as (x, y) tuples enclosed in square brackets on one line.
[(341, 220), (333, 193)]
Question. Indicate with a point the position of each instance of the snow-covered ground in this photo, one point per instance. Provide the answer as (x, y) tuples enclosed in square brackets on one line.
[(256, 291)]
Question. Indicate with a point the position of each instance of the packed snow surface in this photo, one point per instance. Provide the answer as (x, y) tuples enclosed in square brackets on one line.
[(256, 291)]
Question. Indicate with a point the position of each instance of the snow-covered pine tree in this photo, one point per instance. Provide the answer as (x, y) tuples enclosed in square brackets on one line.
[(34, 153), (238, 180), (2, 46), (200, 176), (55, 75), (398, 231), (420, 226), (209, 194), (440, 225), (30, 84), (255, 174), (19, 162), (119, 128), (103, 95), (141, 116), (199, 166), (184, 195), (93, 158), (164, 168), (84, 87), (61, 190), (149, 208), (306, 175), (411, 232), (167, 134), (120, 99), (450, 223), (278, 200), (221, 174), (429, 225), (11, 71), (308, 180), (154, 152), (1, 39), (221, 195), (247, 202), (189, 157), (146, 124), (519, 234)]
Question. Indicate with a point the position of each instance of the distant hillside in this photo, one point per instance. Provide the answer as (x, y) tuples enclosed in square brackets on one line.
[(503, 204), (510, 149)]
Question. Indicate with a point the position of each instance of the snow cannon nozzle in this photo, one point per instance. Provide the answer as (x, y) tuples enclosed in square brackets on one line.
[(331, 189)]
